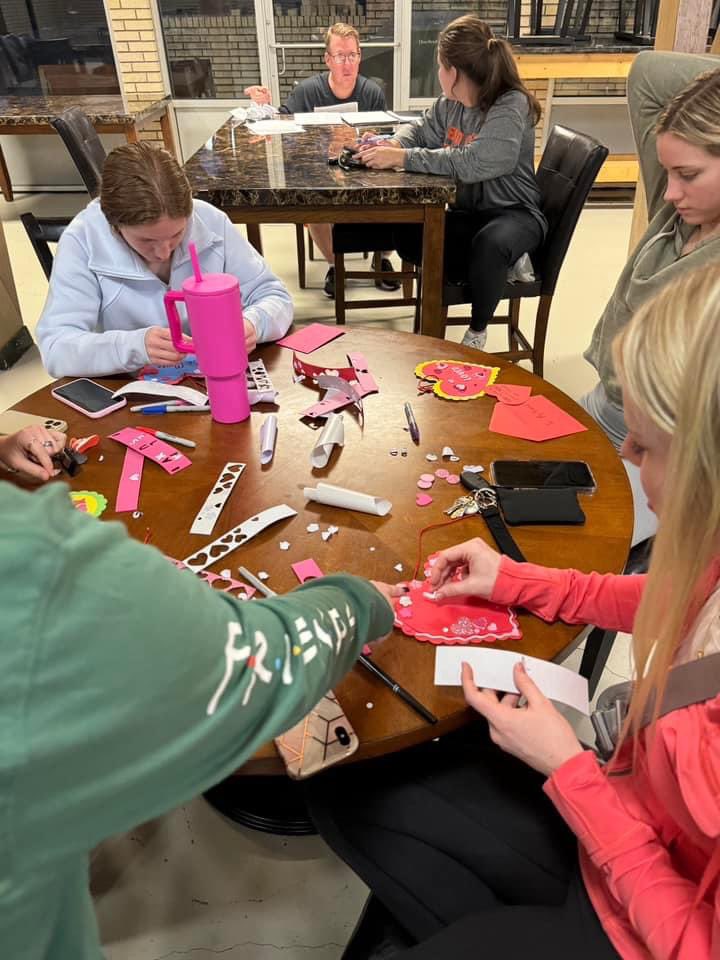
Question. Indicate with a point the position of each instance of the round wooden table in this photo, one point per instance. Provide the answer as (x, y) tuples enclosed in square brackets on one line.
[(366, 545)]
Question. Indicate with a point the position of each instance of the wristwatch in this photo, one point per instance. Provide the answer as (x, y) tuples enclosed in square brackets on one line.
[(483, 500)]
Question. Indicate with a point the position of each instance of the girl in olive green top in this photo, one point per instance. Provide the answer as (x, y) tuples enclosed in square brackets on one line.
[(675, 113)]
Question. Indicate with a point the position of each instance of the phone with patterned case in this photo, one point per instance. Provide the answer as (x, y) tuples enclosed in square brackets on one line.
[(13, 420), (319, 740)]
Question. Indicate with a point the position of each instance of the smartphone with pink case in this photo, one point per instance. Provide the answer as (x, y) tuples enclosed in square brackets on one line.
[(88, 397)]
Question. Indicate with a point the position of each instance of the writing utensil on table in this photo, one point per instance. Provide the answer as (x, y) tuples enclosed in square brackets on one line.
[(412, 423), (169, 437), (166, 403), (258, 584), (185, 408), (401, 692)]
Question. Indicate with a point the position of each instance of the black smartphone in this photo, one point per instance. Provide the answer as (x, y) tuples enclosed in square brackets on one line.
[(538, 474), (88, 397)]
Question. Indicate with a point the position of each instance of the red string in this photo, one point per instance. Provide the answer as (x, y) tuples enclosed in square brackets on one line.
[(424, 530), (148, 535)]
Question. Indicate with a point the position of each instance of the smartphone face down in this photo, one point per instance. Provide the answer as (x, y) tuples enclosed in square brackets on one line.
[(539, 474), (88, 397)]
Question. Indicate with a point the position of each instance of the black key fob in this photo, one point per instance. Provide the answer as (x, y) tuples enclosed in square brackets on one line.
[(474, 481)]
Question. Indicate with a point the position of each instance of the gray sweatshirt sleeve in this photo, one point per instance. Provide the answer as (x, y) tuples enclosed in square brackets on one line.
[(70, 341), (654, 79), (494, 152)]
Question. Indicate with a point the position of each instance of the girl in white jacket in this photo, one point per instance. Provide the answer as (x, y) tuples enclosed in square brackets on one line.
[(104, 313)]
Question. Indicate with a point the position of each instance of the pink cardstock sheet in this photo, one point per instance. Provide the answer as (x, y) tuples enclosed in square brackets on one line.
[(310, 338), (457, 379), (357, 376), (166, 456), (306, 570), (536, 419), (457, 620), (128, 494)]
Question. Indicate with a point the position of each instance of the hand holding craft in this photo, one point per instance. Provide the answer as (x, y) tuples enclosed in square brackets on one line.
[(29, 452), (538, 735), (159, 346), (476, 562)]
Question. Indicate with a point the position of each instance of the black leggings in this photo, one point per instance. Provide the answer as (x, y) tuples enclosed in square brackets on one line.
[(479, 247), (458, 841)]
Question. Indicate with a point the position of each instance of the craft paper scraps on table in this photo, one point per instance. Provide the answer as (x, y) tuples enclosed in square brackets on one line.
[(211, 509), (332, 434), (310, 338), (536, 419), (512, 393), (165, 455), (268, 438), (188, 367), (128, 493), (152, 388), (455, 620), (239, 535), (88, 501), (333, 496), (359, 383), (457, 379), (493, 669), (221, 581)]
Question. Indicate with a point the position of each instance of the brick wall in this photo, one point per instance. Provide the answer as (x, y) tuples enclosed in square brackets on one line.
[(138, 56)]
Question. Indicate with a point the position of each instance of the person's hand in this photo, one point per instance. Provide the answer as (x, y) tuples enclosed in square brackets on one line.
[(381, 157), (370, 137), (390, 590), (29, 452), (257, 94), (537, 734), (250, 335), (160, 348), (477, 563)]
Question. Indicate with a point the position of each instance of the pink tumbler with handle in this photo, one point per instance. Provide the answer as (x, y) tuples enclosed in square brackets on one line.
[(214, 308)]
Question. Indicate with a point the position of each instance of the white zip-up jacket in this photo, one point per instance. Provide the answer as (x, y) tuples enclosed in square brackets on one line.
[(103, 296)]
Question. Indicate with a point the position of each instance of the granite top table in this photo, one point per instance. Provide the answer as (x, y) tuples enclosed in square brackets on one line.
[(287, 179), (108, 113)]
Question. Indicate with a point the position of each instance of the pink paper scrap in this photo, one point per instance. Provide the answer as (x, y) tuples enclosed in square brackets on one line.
[(310, 338), (166, 456), (128, 494), (306, 570)]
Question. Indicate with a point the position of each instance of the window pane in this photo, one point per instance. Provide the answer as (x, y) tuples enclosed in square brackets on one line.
[(427, 22), (309, 23), (58, 47), (211, 47)]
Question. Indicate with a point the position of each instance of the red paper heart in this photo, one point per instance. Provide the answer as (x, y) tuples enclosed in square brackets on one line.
[(511, 393), (536, 419), (457, 379)]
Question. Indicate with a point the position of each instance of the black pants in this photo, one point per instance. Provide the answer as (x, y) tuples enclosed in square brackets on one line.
[(480, 248), (458, 841)]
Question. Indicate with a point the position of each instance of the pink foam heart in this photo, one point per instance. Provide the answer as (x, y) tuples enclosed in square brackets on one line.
[(424, 484), (452, 478), (427, 477), (423, 499), (441, 474)]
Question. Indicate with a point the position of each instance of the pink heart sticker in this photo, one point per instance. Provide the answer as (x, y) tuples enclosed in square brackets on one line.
[(423, 499)]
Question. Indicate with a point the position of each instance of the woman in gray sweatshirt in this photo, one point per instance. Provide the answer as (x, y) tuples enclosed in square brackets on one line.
[(480, 131)]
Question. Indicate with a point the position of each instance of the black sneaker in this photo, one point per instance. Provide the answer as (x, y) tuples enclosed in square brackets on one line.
[(386, 283), (329, 288)]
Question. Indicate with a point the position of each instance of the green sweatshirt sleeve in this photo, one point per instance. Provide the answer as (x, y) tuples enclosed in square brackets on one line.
[(135, 685), (654, 79)]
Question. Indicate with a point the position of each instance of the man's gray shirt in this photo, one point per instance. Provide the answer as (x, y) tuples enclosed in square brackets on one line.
[(315, 92)]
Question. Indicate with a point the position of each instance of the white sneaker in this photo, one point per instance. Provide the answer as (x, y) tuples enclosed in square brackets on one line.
[(475, 339)]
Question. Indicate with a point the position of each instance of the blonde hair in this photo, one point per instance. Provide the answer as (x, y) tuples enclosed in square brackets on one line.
[(342, 30), (669, 365), (468, 45), (141, 184), (694, 113)]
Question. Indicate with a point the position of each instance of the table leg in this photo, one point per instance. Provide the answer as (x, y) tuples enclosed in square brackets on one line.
[(431, 319), (5, 184), (253, 235), (131, 134), (167, 133)]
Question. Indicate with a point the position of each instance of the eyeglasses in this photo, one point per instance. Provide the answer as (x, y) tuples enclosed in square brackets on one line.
[(350, 58)]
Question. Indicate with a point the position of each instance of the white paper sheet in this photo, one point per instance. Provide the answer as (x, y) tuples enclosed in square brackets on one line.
[(334, 496), (165, 391), (494, 669), (268, 436), (266, 127), (333, 433), (351, 107), (368, 116), (320, 119)]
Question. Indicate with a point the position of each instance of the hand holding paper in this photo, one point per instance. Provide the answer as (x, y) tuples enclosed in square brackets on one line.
[(477, 563), (537, 734)]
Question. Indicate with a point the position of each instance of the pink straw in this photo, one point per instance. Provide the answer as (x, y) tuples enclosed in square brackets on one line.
[(195, 262)]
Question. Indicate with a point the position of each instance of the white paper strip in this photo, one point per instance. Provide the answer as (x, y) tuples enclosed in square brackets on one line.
[(268, 434), (222, 488), (167, 391), (321, 119), (332, 433), (348, 499), (234, 538), (494, 669), (260, 388)]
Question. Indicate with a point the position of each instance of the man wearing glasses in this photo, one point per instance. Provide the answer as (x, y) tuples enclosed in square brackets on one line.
[(340, 87)]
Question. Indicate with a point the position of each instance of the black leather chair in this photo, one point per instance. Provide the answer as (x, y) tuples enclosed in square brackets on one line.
[(41, 233), (565, 174), (84, 146)]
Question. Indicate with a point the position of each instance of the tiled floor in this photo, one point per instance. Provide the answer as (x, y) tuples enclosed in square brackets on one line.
[(191, 884)]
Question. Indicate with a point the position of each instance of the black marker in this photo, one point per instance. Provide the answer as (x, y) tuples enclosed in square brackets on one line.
[(397, 689)]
